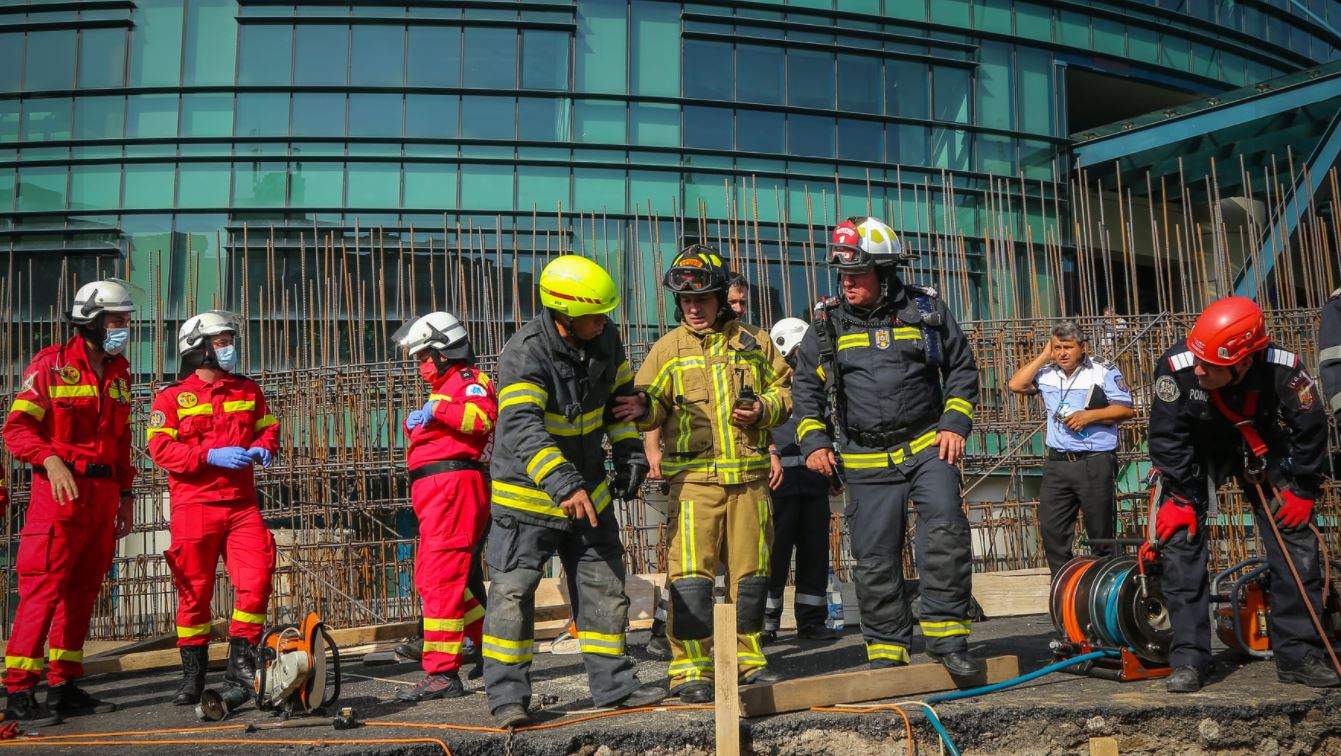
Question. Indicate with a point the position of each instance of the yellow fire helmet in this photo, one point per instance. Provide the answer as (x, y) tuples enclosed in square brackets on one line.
[(577, 286)]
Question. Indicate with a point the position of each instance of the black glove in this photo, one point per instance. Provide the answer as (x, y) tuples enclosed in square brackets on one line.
[(629, 480)]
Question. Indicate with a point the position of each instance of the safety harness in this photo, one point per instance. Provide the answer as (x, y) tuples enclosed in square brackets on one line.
[(1254, 466)]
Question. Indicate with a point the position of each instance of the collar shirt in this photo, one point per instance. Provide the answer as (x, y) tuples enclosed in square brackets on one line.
[(1093, 385)]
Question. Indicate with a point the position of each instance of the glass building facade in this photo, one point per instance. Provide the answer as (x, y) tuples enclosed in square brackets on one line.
[(156, 130)]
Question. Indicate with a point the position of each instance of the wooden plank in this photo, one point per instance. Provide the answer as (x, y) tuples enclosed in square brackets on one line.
[(1104, 746), (1013, 593), (727, 692), (218, 631), (864, 685)]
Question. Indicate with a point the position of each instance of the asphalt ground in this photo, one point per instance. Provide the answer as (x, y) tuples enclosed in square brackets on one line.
[(1243, 709)]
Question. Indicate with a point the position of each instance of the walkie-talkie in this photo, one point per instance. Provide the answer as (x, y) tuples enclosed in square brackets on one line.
[(746, 399)]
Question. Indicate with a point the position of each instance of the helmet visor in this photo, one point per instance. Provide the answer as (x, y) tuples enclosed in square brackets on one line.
[(849, 258), (689, 280)]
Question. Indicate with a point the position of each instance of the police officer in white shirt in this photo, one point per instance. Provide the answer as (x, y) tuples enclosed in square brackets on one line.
[(1085, 399)]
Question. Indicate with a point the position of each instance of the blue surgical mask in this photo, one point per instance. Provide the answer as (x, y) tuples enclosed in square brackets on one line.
[(114, 342), (226, 357)]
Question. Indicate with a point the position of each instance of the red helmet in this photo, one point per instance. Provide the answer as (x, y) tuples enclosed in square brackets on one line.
[(1227, 331)]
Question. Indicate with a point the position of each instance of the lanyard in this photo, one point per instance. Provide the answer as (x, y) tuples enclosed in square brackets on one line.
[(1244, 422)]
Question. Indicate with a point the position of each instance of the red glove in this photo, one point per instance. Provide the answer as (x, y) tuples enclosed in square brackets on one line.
[(1294, 510), (1174, 515)]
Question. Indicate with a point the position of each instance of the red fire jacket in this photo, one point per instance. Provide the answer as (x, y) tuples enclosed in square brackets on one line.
[(463, 418)]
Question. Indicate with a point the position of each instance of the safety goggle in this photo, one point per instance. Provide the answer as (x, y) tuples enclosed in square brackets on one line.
[(688, 280), (849, 257)]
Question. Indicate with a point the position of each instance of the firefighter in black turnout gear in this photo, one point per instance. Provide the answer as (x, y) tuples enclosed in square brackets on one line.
[(887, 375), (1329, 353), (1230, 403)]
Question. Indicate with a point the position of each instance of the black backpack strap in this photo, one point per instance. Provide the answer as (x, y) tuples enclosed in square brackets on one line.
[(825, 338), (931, 338)]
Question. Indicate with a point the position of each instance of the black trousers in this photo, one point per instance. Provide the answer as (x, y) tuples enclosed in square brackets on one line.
[(800, 522), (1088, 486)]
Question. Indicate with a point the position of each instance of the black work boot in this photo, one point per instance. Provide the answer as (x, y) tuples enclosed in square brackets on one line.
[(511, 715), (23, 708), (241, 664), (432, 687), (194, 661), (644, 695), (694, 692), (817, 633), (411, 648), (959, 663), (760, 676), (68, 700), (1184, 679), (1313, 672)]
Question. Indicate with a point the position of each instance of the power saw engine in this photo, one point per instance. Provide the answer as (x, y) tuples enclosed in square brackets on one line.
[(297, 668)]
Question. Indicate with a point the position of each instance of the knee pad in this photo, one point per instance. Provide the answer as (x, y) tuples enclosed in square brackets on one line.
[(751, 596), (691, 608)]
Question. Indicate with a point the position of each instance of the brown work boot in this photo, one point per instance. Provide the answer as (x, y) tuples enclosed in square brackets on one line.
[(433, 687)]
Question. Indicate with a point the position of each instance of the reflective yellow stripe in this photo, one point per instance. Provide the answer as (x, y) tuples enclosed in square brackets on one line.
[(248, 617), (505, 650), (588, 422), (65, 655), (624, 374), (875, 460), (762, 507), (907, 334), (808, 425), (945, 628), (474, 418), (199, 409), (28, 408), (543, 462), (538, 502), (888, 651), (23, 662), (854, 340), (439, 397), (607, 644), (151, 432), (522, 393), (241, 405), (442, 647), (265, 422), (755, 656), (955, 404), (687, 556), (474, 614), (819, 371), (68, 392), (621, 432), (444, 625), (193, 630)]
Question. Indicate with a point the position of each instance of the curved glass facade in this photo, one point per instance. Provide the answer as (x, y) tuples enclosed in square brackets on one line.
[(158, 129)]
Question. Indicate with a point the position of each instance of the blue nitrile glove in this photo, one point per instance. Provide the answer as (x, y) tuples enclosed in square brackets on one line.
[(415, 419), (263, 456), (228, 457)]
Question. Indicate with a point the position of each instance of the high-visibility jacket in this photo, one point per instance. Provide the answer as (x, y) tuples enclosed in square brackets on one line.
[(692, 380), (64, 409), (554, 414), (463, 418), (190, 417)]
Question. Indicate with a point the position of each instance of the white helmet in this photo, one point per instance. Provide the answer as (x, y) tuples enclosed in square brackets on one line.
[(198, 329), (436, 330), (93, 299), (862, 243), (787, 333)]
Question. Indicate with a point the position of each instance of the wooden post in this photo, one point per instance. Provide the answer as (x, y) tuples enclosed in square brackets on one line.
[(727, 687)]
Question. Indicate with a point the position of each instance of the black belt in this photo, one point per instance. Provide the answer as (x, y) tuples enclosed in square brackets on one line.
[(885, 439), (446, 465), (1057, 455), (85, 469)]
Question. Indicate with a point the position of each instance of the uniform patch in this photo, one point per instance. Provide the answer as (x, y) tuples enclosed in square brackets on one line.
[(1166, 388), (1302, 386), (467, 374), (28, 382), (186, 400), (122, 390), (157, 419), (1198, 395), (476, 389), (69, 374), (1121, 383), (882, 339)]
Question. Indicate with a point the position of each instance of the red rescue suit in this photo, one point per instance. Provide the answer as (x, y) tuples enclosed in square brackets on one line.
[(453, 509), (65, 409), (214, 510)]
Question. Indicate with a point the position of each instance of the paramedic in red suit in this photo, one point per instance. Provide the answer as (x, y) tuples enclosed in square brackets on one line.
[(207, 430), (71, 422), (447, 437)]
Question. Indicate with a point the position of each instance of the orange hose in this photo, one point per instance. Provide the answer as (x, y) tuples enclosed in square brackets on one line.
[(872, 709), (58, 742), (542, 726)]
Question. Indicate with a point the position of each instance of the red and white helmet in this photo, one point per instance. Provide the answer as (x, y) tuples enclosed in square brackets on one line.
[(863, 243)]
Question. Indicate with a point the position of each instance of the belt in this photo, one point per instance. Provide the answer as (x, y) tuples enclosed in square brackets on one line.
[(84, 469), (1058, 455), (446, 465)]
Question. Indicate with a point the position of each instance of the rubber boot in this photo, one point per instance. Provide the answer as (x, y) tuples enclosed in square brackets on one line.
[(194, 661), (68, 700), (23, 707), (241, 664)]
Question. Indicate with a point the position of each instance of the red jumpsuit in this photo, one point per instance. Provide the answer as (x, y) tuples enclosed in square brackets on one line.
[(214, 510), (64, 409), (453, 509)]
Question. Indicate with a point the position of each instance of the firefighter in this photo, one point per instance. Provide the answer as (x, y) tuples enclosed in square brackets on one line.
[(557, 376), (714, 387), (886, 373), (1229, 403), (801, 519), (207, 430), (447, 439), (71, 422), (1329, 353)]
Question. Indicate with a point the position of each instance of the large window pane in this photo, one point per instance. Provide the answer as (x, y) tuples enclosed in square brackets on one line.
[(599, 121), (598, 190), (156, 43), (434, 57), (95, 187), (810, 81), (995, 154), (708, 128), (491, 58), (9, 121), (321, 54), (1073, 29), (374, 185), (430, 186), (761, 131), (707, 70), (317, 185), (907, 144), (42, 188), (1033, 21), (259, 184), (149, 185), (950, 94), (11, 68), (654, 191), (1110, 36), (102, 58), (51, 61), (859, 83), (545, 119), (542, 188), (488, 117), (992, 15), (378, 57), (266, 54), (953, 13), (46, 119), (431, 116), (810, 136), (907, 91), (317, 114), (8, 178), (207, 115), (860, 140), (950, 149), (486, 187), (99, 117), (151, 116), (1036, 91), (994, 86), (211, 42), (544, 60), (204, 185), (759, 74), (375, 115), (262, 114), (655, 124), (602, 38), (656, 43)]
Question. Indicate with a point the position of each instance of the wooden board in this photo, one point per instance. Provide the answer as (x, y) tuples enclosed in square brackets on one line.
[(864, 685), (218, 631), (1013, 593), (726, 706)]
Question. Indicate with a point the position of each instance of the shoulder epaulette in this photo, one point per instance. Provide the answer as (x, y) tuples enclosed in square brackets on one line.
[(1182, 361), (930, 291), (1282, 357)]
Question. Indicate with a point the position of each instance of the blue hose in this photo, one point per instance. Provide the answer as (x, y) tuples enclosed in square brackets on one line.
[(955, 695), (941, 731)]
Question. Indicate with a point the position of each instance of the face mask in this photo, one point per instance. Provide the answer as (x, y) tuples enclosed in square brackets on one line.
[(428, 370), (115, 341), (226, 357)]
